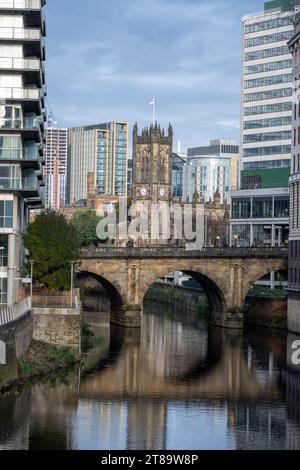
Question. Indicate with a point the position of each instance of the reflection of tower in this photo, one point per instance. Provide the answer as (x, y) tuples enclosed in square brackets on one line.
[(147, 425)]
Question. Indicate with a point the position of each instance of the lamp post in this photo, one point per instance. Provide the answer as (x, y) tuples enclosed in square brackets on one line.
[(218, 239), (72, 280), (235, 240)]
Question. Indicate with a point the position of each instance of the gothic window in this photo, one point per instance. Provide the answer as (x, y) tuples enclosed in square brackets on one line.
[(163, 167), (144, 167)]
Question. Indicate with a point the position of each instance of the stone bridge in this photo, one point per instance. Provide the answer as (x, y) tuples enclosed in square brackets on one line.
[(226, 275)]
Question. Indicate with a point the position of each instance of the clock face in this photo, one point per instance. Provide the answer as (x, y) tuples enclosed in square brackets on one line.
[(162, 192), (143, 192)]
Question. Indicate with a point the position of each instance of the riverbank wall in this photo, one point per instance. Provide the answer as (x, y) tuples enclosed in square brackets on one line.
[(177, 297), (58, 326), (15, 340)]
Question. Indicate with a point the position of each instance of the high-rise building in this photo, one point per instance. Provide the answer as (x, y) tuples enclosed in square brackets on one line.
[(22, 116), (101, 149), (294, 243), (178, 164), (211, 169), (56, 167), (266, 102)]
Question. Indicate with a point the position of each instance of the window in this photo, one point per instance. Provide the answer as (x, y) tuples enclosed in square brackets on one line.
[(267, 164), (10, 117), (272, 150), (267, 137), (273, 122), (269, 38), (270, 24), (281, 207), (266, 81), (268, 67), (3, 291), (276, 51), (262, 208), (9, 177), (3, 251), (6, 214), (241, 209), (268, 95), (268, 108), (10, 147)]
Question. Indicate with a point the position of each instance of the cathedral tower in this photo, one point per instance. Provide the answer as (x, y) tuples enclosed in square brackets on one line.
[(152, 165)]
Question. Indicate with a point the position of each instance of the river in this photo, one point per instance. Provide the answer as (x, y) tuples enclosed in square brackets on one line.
[(176, 384)]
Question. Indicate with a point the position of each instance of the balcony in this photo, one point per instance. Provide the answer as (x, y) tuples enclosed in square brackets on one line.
[(23, 34), (30, 65), (21, 4), (33, 98), (30, 9)]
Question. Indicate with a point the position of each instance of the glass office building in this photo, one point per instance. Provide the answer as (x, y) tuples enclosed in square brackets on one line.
[(22, 118), (101, 149), (211, 169), (266, 114)]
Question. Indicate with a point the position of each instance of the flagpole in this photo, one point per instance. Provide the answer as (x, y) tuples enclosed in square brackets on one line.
[(154, 106)]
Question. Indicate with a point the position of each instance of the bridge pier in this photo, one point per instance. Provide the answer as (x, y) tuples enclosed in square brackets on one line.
[(128, 317), (229, 320)]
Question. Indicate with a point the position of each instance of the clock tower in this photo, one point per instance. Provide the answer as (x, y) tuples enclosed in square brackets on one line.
[(152, 165)]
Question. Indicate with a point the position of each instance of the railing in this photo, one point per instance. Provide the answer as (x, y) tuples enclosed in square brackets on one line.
[(11, 314), (33, 34), (44, 301), (29, 123), (20, 64), (182, 252), (20, 93), (22, 4)]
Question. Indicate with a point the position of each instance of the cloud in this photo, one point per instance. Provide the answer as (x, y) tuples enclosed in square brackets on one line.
[(110, 58)]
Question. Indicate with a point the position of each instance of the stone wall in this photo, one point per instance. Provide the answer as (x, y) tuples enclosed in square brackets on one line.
[(17, 337), (294, 313), (59, 326)]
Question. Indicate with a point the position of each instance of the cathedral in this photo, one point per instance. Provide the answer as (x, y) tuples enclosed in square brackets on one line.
[(152, 165)]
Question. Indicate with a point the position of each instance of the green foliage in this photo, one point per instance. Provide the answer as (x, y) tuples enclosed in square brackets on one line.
[(86, 225), (267, 292), (52, 242), (27, 368)]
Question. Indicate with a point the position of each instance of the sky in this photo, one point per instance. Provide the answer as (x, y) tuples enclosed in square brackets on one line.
[(106, 60)]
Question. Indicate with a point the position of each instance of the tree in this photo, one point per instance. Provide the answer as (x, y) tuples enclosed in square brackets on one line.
[(85, 223), (52, 242)]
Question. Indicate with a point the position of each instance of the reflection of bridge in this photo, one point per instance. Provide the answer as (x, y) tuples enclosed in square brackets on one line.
[(225, 275), (179, 364)]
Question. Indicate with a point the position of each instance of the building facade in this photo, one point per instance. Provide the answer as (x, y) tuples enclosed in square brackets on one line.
[(260, 209), (294, 244), (211, 169), (266, 99), (178, 164), (56, 167), (101, 149), (22, 92)]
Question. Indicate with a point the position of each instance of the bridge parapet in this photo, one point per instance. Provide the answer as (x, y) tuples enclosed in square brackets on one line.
[(178, 252)]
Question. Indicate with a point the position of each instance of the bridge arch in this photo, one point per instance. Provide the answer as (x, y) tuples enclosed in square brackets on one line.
[(215, 295), (114, 295), (261, 271), (2, 353)]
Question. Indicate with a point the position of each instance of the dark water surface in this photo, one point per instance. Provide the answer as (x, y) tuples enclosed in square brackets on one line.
[(174, 385)]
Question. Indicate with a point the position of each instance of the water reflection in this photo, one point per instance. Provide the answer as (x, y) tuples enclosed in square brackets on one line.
[(175, 385)]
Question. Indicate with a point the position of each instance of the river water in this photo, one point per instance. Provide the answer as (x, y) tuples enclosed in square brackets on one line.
[(176, 384)]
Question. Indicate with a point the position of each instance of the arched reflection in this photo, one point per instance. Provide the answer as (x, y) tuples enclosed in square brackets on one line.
[(174, 384)]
